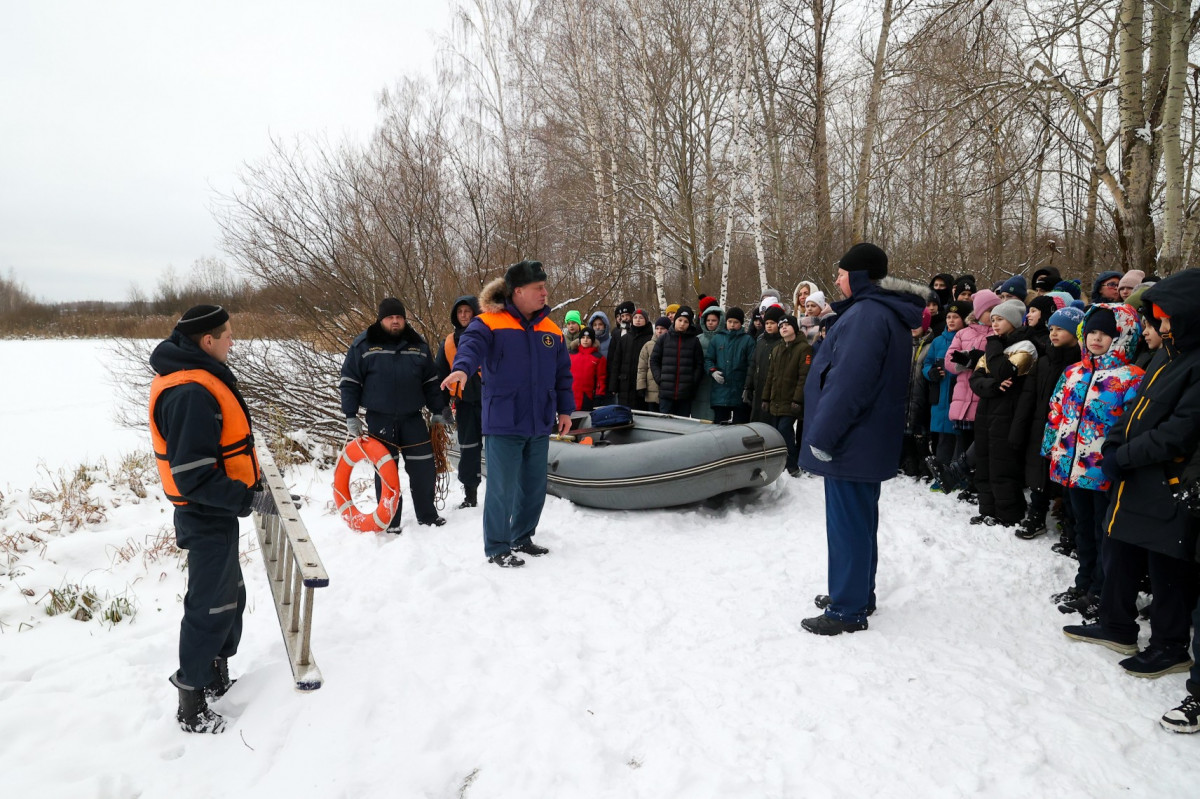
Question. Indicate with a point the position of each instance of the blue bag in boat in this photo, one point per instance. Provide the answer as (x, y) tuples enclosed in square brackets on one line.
[(611, 416)]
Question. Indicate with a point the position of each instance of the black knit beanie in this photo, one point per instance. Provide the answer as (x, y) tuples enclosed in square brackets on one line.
[(865, 257), (1102, 319), (201, 319), (390, 307)]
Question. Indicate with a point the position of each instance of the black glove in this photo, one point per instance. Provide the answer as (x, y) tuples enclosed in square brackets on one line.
[(962, 357), (641, 394), (937, 371), (1108, 464), (263, 503)]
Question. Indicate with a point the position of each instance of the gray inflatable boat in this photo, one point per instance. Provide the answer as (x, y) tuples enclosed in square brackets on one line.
[(660, 461)]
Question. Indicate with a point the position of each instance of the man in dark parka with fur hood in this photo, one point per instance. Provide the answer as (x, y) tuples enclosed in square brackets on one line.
[(854, 403), (389, 371)]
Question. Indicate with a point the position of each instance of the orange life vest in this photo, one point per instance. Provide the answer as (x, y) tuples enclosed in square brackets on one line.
[(237, 441), (451, 349)]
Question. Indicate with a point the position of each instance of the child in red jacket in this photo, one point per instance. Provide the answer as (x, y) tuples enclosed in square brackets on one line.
[(589, 371)]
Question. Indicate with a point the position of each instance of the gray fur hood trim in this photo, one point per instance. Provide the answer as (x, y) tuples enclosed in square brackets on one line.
[(902, 286)]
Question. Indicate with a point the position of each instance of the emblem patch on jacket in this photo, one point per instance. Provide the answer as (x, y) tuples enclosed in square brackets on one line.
[(547, 340)]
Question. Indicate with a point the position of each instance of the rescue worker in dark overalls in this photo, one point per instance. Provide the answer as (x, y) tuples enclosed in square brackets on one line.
[(468, 403), (204, 447), (389, 371)]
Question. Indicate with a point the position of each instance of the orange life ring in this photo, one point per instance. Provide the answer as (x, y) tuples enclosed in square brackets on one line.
[(372, 450)]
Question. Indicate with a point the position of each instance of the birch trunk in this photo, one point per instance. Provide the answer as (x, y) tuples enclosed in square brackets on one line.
[(1136, 136), (863, 183), (1172, 249), (821, 198)]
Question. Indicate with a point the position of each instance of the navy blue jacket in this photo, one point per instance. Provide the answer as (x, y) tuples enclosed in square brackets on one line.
[(189, 418), (854, 398), (392, 375)]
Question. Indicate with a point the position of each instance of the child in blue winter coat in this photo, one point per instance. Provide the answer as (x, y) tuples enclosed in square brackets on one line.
[(934, 368)]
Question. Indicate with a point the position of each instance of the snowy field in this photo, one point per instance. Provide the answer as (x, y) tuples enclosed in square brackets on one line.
[(652, 654)]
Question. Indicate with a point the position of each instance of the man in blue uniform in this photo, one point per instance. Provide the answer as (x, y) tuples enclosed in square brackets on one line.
[(854, 403), (526, 396), (200, 428), (389, 371)]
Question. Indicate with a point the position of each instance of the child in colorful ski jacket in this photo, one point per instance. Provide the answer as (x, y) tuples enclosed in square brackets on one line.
[(1091, 397)]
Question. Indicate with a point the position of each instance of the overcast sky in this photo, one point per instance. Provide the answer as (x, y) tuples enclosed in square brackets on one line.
[(121, 120)]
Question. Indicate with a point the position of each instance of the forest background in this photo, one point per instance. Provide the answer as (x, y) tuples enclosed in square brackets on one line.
[(655, 150)]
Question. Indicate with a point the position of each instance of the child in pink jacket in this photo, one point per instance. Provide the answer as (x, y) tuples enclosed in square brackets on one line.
[(962, 356)]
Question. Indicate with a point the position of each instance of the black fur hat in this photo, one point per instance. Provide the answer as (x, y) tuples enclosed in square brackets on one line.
[(523, 274)]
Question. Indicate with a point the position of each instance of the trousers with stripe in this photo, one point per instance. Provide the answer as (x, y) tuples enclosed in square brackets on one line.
[(468, 419), (409, 436), (216, 594)]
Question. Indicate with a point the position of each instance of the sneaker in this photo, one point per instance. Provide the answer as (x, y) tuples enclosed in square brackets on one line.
[(436, 521), (936, 488), (1074, 592), (828, 625), (470, 497), (506, 560), (793, 472), (823, 601), (969, 497), (1184, 719), (990, 521), (1097, 634), (532, 549), (1155, 661), (1087, 606)]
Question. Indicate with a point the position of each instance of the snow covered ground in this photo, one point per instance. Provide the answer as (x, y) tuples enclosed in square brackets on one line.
[(652, 654)]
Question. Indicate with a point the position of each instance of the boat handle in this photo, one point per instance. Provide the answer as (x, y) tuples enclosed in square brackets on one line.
[(752, 442)]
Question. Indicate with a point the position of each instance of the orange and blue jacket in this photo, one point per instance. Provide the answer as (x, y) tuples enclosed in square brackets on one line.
[(526, 371)]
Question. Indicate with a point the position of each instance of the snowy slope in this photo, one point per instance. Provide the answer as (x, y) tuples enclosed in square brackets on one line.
[(652, 654)]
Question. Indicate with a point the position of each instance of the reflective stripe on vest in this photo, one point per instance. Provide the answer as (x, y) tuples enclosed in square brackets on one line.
[(237, 457)]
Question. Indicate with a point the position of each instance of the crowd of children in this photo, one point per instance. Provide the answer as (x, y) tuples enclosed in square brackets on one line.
[(1025, 400)]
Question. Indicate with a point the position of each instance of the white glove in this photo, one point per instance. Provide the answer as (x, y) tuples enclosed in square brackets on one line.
[(720, 378), (820, 454), (354, 427)]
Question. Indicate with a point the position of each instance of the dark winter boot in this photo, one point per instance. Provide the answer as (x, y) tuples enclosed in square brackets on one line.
[(1033, 525), (221, 683), (470, 498), (950, 476), (193, 714)]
